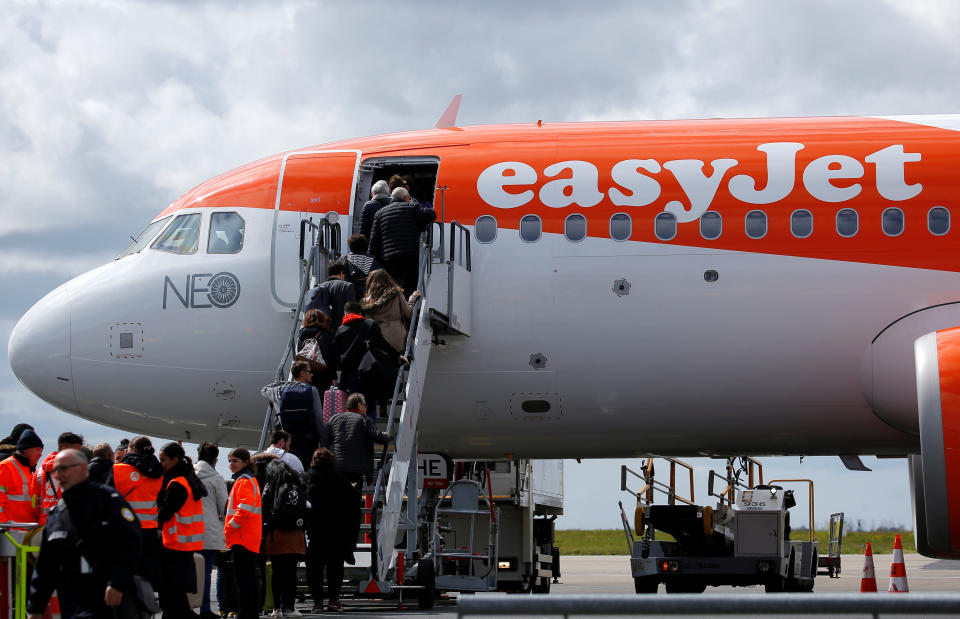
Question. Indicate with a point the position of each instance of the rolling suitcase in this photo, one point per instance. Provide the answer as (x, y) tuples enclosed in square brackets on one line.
[(334, 402)]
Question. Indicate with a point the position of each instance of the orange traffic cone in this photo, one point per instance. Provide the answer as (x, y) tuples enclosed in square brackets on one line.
[(898, 569), (868, 582), (53, 608)]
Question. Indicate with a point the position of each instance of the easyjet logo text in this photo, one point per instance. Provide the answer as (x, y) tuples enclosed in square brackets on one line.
[(831, 178)]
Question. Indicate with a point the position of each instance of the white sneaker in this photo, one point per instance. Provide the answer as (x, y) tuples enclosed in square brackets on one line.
[(292, 613), (276, 613)]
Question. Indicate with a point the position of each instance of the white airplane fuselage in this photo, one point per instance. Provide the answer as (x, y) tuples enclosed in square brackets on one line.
[(779, 355)]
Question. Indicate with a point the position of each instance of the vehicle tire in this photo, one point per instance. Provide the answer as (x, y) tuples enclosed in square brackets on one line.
[(686, 586), (426, 576), (541, 585), (646, 584)]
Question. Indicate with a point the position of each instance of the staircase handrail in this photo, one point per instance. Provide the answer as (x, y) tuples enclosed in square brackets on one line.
[(425, 258), (328, 232)]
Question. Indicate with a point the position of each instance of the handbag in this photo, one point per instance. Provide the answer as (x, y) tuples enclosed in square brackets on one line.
[(312, 354), (378, 373)]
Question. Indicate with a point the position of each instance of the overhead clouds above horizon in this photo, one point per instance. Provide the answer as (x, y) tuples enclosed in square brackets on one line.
[(110, 110)]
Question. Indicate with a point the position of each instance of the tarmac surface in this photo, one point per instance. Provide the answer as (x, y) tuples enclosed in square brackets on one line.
[(611, 574)]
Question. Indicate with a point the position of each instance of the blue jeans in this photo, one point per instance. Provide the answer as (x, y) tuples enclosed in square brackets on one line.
[(209, 556)]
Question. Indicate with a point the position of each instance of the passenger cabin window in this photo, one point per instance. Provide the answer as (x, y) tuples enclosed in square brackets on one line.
[(621, 226), (226, 233), (144, 238), (530, 228), (485, 229), (892, 222), (665, 226), (181, 236), (711, 225), (575, 227), (756, 224), (801, 223), (938, 220), (847, 222)]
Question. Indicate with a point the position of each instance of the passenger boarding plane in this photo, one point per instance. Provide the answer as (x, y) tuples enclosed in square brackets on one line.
[(711, 287)]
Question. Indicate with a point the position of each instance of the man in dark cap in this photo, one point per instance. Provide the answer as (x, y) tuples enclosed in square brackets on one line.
[(9, 443), (19, 490)]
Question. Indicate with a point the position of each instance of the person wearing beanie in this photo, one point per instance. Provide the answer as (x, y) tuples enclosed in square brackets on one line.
[(19, 490)]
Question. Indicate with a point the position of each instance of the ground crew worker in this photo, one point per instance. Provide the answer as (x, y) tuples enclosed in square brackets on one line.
[(243, 531), (139, 477), (19, 492), (89, 548), (180, 514), (48, 484)]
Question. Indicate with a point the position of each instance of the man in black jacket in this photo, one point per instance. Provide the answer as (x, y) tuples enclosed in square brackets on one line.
[(379, 198), (351, 436), (330, 296), (90, 546), (395, 237)]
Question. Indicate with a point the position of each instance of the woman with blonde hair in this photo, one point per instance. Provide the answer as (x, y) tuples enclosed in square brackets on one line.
[(385, 304)]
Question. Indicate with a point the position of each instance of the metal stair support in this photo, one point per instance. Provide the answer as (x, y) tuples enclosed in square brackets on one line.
[(410, 381), (400, 476)]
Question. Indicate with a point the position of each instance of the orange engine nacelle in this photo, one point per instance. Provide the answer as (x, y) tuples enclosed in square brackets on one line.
[(935, 473)]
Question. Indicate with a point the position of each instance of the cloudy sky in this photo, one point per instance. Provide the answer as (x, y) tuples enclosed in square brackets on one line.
[(110, 110)]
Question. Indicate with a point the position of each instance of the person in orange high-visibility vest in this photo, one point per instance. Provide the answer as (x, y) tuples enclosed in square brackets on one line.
[(19, 491), (243, 530), (180, 514), (50, 492), (138, 477)]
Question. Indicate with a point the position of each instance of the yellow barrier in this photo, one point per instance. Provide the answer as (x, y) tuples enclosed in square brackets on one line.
[(20, 592)]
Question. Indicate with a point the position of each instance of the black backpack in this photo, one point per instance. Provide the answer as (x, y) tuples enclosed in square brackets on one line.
[(356, 277), (296, 414), (289, 506)]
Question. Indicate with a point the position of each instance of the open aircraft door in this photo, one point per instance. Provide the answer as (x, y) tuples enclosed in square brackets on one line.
[(311, 184)]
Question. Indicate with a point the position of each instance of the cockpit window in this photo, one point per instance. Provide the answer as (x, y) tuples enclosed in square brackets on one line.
[(180, 237), (144, 238), (226, 233)]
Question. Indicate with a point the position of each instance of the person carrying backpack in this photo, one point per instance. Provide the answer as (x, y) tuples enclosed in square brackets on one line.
[(354, 338), (298, 410), (284, 518), (331, 295)]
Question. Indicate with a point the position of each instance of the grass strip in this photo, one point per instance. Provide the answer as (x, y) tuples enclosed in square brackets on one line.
[(613, 541)]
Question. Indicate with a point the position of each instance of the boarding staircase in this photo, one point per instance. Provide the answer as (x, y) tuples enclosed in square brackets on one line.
[(444, 309)]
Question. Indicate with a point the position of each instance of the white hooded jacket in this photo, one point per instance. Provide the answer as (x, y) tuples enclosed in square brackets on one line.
[(214, 506)]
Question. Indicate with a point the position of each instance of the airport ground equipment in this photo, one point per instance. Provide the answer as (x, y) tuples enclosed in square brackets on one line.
[(831, 561), (528, 495), (744, 540)]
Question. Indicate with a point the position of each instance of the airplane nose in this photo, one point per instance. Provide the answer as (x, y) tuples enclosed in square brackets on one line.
[(39, 350)]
